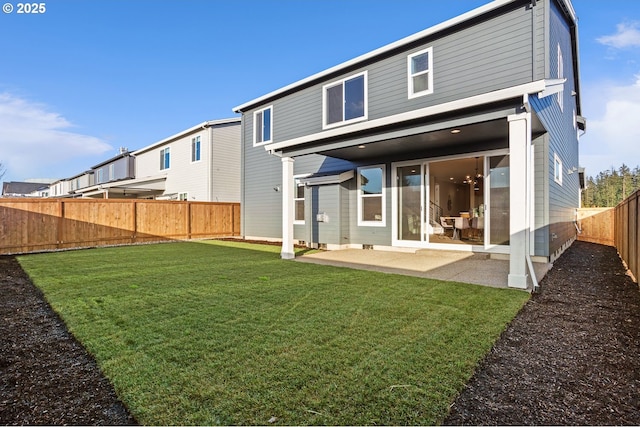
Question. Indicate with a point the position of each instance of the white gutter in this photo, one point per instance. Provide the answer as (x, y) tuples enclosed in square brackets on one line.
[(486, 98), (495, 4)]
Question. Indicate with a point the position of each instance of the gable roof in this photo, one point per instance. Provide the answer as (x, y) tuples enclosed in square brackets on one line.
[(17, 187), (185, 132), (460, 19)]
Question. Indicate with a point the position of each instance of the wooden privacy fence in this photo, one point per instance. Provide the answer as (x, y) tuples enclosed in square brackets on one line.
[(597, 225), (627, 234), (32, 225)]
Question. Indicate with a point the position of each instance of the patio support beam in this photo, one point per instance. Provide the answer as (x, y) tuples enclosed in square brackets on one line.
[(287, 208), (519, 198)]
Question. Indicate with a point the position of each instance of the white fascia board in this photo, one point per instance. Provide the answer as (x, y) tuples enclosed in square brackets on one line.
[(552, 86), (195, 128), (124, 182), (473, 101), (329, 179), (495, 4)]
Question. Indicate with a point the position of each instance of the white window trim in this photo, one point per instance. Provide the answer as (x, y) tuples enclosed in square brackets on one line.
[(185, 194), (560, 76), (383, 222), (255, 136), (162, 155), (410, 92), (297, 182), (557, 169), (365, 116), (193, 140)]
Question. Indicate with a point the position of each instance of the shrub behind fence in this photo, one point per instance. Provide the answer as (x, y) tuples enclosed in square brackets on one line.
[(33, 225)]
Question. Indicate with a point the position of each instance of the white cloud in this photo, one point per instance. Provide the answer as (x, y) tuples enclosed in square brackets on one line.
[(613, 137), (36, 142), (628, 35)]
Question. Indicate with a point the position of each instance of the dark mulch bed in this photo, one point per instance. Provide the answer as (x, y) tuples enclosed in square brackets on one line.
[(571, 356), (46, 376)]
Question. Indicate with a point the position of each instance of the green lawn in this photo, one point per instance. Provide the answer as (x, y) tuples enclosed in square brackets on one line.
[(228, 333)]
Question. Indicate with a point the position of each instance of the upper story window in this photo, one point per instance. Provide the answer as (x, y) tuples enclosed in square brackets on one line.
[(100, 177), (195, 149), (371, 200), (112, 172), (344, 101), (420, 73), (557, 169), (262, 126), (560, 76), (165, 158)]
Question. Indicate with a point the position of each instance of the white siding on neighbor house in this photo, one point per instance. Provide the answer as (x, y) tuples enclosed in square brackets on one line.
[(215, 177), (183, 176), (225, 161)]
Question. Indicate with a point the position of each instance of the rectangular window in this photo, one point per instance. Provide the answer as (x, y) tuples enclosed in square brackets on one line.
[(183, 196), (112, 172), (420, 73), (345, 101), (557, 169), (371, 200), (560, 76), (165, 158), (298, 201), (262, 126), (100, 177), (195, 149)]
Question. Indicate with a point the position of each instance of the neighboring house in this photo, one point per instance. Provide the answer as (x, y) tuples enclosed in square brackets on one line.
[(25, 189), (60, 188), (80, 181), (107, 177), (471, 125), (201, 163)]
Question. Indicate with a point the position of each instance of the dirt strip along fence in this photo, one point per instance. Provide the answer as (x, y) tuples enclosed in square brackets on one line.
[(627, 232), (35, 225)]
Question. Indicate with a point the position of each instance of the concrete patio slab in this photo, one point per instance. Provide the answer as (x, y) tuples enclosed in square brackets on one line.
[(455, 266)]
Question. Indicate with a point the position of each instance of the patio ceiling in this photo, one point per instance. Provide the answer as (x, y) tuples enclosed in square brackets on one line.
[(485, 135)]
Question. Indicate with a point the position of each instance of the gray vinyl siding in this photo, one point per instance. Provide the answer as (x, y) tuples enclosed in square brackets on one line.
[(540, 37), (262, 174), (225, 174), (562, 199), (491, 55)]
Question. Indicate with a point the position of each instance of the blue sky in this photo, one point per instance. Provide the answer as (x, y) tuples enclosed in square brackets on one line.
[(89, 76)]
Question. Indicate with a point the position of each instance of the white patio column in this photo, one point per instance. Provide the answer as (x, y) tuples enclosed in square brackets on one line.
[(287, 208), (519, 149)]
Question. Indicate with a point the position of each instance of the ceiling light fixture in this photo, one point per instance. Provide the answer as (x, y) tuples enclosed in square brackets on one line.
[(454, 131)]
